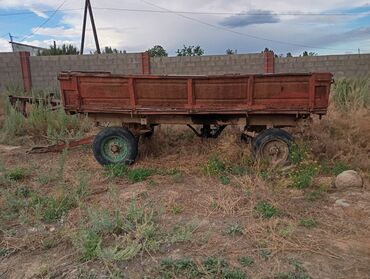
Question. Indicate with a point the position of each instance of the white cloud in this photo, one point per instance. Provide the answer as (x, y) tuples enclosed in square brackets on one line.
[(38, 12)]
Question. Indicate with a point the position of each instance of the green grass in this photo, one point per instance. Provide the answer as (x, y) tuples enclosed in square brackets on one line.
[(132, 174), (303, 176), (234, 230), (351, 94), (17, 174), (214, 167), (134, 231), (41, 124), (246, 261), (210, 267), (266, 210), (308, 223), (181, 233)]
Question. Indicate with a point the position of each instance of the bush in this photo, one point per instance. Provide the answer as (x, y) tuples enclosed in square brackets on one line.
[(266, 210)]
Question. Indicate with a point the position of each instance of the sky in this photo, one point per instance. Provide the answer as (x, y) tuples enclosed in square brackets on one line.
[(323, 27)]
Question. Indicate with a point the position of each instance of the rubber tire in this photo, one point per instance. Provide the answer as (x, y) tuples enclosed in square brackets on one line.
[(115, 131), (265, 136)]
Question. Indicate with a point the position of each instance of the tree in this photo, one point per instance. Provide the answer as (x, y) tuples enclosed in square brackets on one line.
[(230, 51), (157, 51), (305, 53), (59, 50), (110, 50), (289, 54), (190, 51)]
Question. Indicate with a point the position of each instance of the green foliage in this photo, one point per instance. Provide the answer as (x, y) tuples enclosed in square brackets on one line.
[(17, 174), (214, 167), (134, 231), (352, 94), (134, 175), (225, 180), (210, 267), (65, 49), (340, 167), (230, 51), (42, 123), (157, 51), (181, 233), (297, 154), (303, 176), (246, 261), (109, 49), (234, 230), (177, 209), (184, 267), (265, 254), (139, 174), (190, 51), (266, 210), (307, 223)]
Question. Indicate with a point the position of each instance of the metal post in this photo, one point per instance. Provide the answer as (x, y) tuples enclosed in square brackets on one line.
[(93, 27), (83, 29)]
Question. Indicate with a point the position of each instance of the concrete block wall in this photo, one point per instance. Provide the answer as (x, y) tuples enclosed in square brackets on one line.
[(342, 66), (44, 69), (10, 70), (208, 64)]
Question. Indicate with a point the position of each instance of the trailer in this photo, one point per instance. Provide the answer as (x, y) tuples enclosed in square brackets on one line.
[(262, 104)]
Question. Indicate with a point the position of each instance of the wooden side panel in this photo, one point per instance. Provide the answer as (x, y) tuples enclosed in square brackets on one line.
[(220, 92), (290, 92), (104, 93), (161, 93)]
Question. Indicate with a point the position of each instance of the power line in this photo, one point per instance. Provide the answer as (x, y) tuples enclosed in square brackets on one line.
[(243, 34), (45, 21), (262, 13)]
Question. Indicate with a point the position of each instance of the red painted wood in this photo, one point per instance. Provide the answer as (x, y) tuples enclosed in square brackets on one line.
[(26, 70)]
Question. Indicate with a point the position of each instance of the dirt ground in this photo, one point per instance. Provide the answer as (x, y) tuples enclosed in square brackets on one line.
[(312, 235)]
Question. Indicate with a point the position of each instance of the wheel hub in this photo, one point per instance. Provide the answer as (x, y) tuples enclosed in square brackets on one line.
[(276, 151)]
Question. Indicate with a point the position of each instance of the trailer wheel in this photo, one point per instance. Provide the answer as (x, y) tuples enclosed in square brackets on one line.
[(273, 145), (115, 146)]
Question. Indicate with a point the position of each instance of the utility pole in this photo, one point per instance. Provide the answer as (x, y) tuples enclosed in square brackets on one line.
[(89, 9), (11, 41)]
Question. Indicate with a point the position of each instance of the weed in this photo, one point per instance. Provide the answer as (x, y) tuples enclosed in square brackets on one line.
[(340, 167), (214, 266), (17, 174), (87, 243), (173, 268), (286, 230), (303, 177), (265, 254), (246, 261), (214, 167), (177, 209), (233, 274), (134, 175), (351, 94), (181, 233), (307, 223), (225, 180), (116, 170), (266, 210), (234, 230), (139, 174), (133, 233), (297, 154)]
